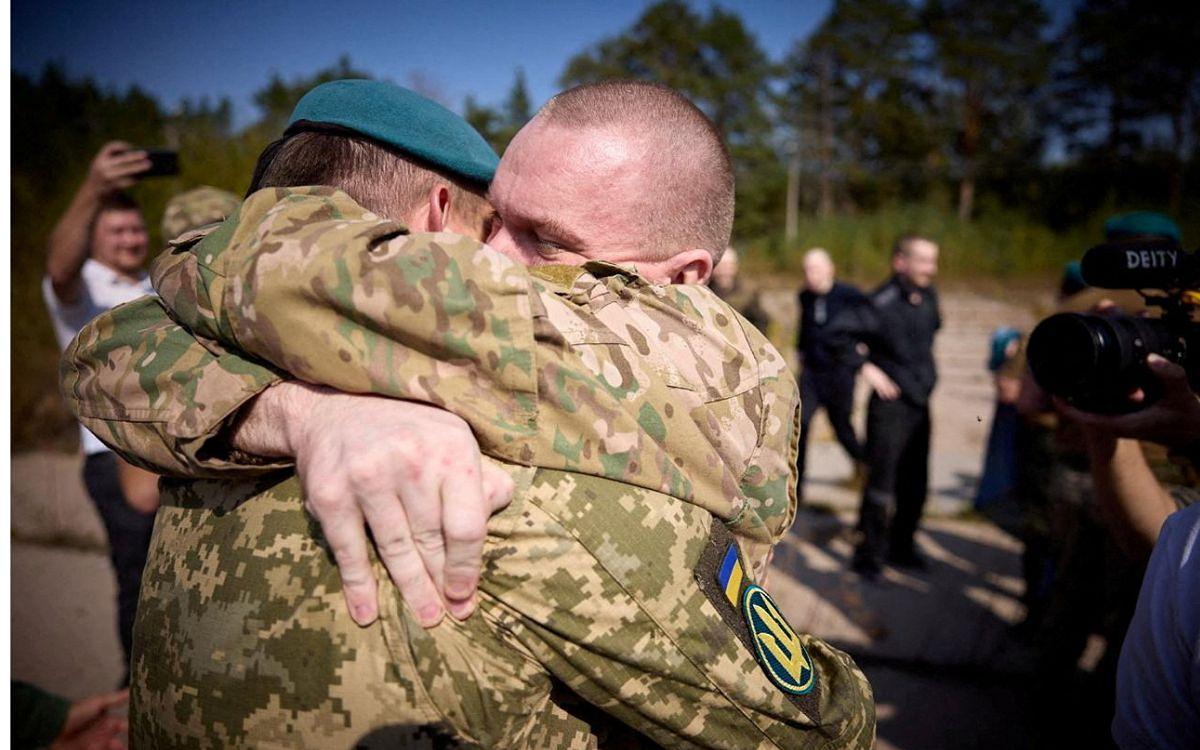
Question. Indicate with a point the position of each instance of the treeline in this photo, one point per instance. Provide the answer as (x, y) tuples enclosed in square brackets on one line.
[(973, 121), (980, 108)]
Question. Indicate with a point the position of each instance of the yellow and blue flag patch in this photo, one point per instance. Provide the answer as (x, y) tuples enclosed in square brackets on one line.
[(730, 575)]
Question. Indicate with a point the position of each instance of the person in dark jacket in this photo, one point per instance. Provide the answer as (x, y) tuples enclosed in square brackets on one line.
[(899, 329), (828, 356)]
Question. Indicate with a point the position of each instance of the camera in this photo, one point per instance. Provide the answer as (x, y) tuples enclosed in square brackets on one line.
[(163, 163), (1096, 361)]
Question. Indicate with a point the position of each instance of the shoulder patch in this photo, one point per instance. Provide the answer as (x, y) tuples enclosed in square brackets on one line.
[(756, 621), (776, 645)]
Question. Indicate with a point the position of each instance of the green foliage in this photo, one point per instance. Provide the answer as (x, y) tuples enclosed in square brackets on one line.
[(858, 109), (1000, 245), (717, 63), (498, 127), (991, 62), (1124, 71), (278, 98), (517, 108)]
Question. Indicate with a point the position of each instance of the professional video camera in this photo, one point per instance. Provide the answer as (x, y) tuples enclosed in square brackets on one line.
[(1096, 361)]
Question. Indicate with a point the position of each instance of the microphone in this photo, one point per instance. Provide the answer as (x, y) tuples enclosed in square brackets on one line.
[(1136, 264)]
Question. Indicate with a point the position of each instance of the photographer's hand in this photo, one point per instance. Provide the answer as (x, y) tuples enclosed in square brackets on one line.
[(1173, 420)]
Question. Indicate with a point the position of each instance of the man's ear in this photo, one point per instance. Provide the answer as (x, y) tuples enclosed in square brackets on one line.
[(437, 209), (689, 267)]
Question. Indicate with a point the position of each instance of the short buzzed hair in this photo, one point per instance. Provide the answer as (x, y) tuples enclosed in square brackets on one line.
[(905, 242), (379, 179), (818, 252), (693, 174)]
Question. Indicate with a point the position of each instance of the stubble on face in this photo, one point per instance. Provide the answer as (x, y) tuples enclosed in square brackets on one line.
[(919, 263)]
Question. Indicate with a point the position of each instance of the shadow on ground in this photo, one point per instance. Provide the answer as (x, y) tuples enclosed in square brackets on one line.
[(935, 644)]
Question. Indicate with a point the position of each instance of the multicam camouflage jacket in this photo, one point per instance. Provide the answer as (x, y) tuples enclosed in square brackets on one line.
[(587, 369), (647, 411)]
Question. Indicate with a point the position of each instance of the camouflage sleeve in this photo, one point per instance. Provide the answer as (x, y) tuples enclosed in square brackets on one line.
[(638, 604), (315, 286), (157, 395)]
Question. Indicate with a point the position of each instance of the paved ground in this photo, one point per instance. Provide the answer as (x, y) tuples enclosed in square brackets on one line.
[(64, 620), (934, 645)]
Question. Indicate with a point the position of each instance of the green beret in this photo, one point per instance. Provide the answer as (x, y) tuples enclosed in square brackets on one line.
[(1072, 279), (1142, 223), (403, 120)]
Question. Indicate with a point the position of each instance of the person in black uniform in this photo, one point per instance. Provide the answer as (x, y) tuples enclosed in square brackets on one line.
[(898, 329), (828, 356)]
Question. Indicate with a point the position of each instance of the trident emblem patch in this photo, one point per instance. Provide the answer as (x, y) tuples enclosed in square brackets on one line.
[(776, 645)]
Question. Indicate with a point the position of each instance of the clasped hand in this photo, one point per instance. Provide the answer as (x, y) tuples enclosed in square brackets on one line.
[(410, 472)]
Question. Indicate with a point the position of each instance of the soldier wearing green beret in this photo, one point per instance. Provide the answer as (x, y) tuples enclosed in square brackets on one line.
[(648, 431)]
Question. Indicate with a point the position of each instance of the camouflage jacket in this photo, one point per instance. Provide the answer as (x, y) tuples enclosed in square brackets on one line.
[(599, 576), (588, 369)]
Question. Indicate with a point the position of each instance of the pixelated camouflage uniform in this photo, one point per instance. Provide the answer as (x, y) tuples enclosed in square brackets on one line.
[(629, 415), (196, 208)]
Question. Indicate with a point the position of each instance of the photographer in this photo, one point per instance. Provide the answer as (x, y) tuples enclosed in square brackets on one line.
[(95, 258), (1135, 503), (1119, 380), (1158, 675), (1094, 364)]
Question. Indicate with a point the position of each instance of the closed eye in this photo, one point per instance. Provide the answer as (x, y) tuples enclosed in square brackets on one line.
[(550, 246)]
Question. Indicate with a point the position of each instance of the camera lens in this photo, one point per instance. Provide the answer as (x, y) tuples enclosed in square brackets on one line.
[(1064, 350), (1092, 360)]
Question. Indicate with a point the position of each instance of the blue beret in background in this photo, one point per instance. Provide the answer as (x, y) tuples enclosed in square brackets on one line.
[(998, 353), (1142, 223)]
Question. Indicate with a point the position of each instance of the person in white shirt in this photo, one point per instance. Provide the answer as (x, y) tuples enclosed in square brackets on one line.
[(95, 258)]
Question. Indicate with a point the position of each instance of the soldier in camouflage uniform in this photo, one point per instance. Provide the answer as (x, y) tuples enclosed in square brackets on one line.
[(608, 575), (196, 208)]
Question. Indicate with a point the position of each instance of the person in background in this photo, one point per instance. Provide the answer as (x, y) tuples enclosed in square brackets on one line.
[(1096, 547), (95, 259), (829, 357), (1157, 702), (903, 320), (197, 208), (728, 285), (1144, 468), (997, 492)]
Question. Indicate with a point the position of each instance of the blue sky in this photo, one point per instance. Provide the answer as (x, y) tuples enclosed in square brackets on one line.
[(179, 50)]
